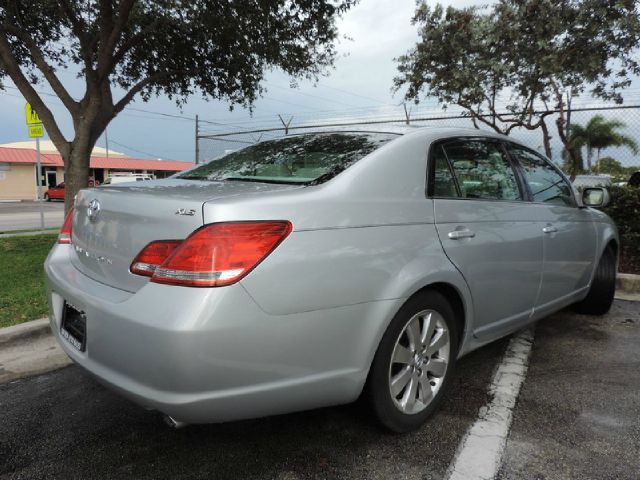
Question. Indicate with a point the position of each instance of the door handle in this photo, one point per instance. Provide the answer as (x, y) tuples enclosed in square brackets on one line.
[(458, 234), (549, 229)]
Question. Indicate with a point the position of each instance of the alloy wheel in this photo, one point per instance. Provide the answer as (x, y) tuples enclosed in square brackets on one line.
[(419, 361)]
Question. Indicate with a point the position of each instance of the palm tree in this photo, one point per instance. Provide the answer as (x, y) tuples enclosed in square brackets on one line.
[(599, 134)]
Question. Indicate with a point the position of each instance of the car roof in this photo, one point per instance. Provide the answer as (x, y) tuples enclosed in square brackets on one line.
[(436, 131)]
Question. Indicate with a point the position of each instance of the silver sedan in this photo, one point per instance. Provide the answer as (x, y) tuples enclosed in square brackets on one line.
[(315, 269)]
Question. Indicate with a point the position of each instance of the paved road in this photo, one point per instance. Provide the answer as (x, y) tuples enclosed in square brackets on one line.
[(26, 215), (65, 425)]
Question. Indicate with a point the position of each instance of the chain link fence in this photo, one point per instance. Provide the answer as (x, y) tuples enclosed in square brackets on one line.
[(614, 149)]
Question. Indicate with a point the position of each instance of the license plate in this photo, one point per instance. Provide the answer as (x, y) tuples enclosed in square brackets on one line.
[(74, 327)]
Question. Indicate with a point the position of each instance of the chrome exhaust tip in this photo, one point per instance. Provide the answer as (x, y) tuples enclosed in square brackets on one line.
[(173, 423)]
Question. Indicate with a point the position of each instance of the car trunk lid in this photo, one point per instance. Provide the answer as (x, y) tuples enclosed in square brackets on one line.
[(113, 224)]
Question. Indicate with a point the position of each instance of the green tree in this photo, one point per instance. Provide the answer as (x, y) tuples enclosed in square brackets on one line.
[(218, 48), (610, 165), (598, 134), (518, 62)]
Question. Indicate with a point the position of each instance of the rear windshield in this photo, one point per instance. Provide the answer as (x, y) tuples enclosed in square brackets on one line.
[(302, 159)]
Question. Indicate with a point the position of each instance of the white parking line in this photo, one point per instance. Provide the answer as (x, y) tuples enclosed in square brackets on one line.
[(480, 452)]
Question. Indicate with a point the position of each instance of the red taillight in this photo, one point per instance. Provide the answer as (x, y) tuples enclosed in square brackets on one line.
[(152, 256), (214, 255), (64, 237)]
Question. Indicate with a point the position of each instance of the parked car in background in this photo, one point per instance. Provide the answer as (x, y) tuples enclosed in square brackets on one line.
[(311, 270), (128, 177), (582, 181), (57, 192)]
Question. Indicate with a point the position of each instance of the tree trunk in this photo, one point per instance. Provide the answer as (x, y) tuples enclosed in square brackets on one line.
[(574, 158), (76, 173), (546, 139), (88, 128), (589, 157)]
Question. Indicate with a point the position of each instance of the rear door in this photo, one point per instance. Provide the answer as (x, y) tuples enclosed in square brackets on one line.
[(570, 241), (486, 231)]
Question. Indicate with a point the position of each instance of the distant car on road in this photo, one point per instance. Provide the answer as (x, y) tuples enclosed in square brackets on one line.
[(310, 270), (57, 192), (582, 181)]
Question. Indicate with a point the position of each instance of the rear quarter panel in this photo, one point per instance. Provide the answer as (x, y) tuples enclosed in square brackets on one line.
[(321, 269)]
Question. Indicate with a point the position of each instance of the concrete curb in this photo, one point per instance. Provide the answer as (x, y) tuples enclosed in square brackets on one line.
[(29, 349), (28, 330), (30, 232), (628, 282)]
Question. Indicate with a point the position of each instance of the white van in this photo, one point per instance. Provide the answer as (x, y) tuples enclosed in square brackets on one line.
[(127, 177)]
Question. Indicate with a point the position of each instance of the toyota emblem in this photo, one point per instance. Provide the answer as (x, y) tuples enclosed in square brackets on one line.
[(93, 209)]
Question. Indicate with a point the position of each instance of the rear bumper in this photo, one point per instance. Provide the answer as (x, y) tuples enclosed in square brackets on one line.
[(209, 355)]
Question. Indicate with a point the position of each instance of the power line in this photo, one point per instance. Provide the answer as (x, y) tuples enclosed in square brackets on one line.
[(138, 151), (293, 90), (355, 94), (133, 109)]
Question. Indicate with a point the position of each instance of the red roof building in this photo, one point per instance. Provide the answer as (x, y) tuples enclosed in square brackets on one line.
[(18, 170)]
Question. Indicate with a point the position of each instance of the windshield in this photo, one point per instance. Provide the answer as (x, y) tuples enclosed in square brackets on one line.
[(302, 159)]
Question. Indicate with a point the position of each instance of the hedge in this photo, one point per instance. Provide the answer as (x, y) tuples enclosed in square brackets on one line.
[(624, 209)]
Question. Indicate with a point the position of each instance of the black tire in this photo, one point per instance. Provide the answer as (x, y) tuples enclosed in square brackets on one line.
[(600, 297), (377, 390), (46, 197)]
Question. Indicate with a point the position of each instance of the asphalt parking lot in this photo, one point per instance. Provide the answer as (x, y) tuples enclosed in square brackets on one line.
[(576, 417), (578, 413), (26, 215)]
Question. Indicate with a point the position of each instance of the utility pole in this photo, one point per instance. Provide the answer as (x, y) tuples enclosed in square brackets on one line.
[(407, 114), (568, 126), (39, 173), (106, 142), (197, 146)]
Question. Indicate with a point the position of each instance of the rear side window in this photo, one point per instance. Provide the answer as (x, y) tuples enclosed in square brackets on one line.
[(545, 183), (444, 184), (481, 171)]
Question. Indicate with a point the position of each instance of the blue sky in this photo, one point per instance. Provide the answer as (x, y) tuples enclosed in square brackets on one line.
[(359, 85)]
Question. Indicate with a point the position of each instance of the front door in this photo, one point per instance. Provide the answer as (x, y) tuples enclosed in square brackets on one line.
[(51, 178), (570, 241), (484, 227)]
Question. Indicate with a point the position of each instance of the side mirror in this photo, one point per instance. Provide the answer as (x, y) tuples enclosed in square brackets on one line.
[(597, 197)]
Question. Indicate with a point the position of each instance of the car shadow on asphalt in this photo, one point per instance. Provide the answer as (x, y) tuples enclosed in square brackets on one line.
[(66, 425)]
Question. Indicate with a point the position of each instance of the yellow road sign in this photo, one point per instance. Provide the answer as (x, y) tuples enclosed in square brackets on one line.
[(36, 131), (31, 115)]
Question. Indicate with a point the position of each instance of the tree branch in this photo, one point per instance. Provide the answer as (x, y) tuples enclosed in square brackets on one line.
[(87, 42), (12, 68), (111, 34), (137, 88), (477, 116), (46, 69), (117, 57)]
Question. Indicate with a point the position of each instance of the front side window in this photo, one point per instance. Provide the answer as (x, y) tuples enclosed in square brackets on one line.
[(481, 169), (545, 183), (301, 159)]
